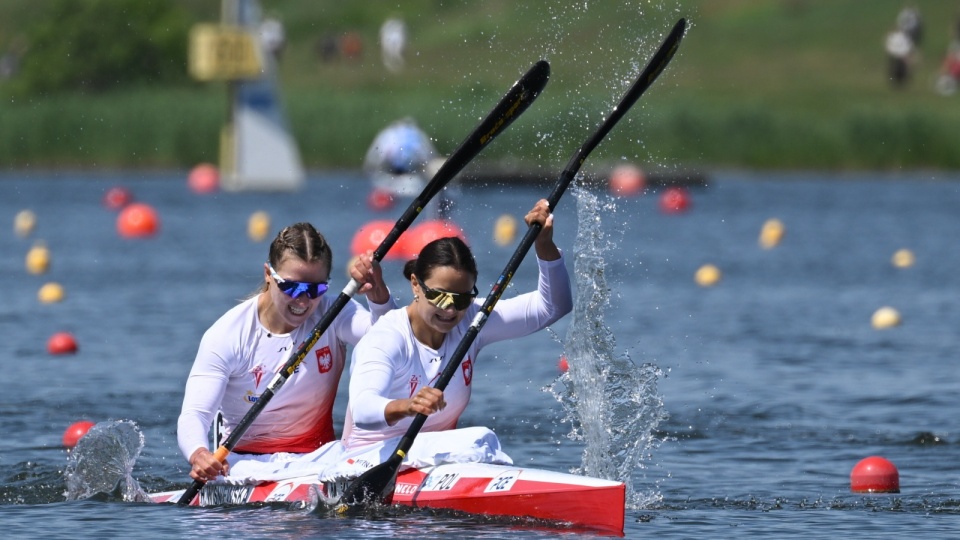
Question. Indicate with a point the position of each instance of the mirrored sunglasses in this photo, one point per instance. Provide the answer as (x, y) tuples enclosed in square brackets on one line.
[(294, 289), (444, 299)]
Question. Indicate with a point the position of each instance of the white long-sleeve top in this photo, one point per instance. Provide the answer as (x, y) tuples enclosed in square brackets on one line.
[(389, 363), (237, 359)]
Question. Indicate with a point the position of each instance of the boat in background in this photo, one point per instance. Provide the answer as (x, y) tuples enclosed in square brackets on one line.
[(565, 500), (257, 148)]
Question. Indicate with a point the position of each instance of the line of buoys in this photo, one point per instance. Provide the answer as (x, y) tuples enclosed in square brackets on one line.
[(380, 200), (62, 343), (505, 230), (24, 223), (771, 233), (38, 259), (50, 293), (204, 178), (874, 474), (117, 197), (674, 200), (885, 317), (75, 432), (413, 240), (369, 236), (258, 226), (138, 220), (627, 181), (903, 258), (707, 275)]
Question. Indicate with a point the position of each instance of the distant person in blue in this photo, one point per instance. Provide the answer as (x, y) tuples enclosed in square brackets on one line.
[(401, 160)]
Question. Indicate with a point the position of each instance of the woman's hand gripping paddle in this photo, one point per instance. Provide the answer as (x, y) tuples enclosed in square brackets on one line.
[(376, 484), (520, 96)]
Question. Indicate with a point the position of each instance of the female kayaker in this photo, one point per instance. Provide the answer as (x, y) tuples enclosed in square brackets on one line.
[(393, 366), (241, 352)]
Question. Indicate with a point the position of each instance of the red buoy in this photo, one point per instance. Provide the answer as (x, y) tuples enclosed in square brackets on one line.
[(563, 364), (61, 343), (627, 181), (874, 474), (137, 220), (117, 197), (368, 238), (380, 200), (674, 200), (412, 241), (204, 178), (75, 432)]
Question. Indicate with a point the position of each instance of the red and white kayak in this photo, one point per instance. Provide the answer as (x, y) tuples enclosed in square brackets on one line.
[(476, 488)]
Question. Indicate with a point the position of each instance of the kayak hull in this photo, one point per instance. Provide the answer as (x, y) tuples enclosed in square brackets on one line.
[(475, 488)]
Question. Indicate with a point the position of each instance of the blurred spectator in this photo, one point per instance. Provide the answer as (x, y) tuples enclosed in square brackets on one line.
[(910, 23), (351, 46), (900, 57), (273, 37), (10, 60), (949, 76), (328, 48), (393, 41)]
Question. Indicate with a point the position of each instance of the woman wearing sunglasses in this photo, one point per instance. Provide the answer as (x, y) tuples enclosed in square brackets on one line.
[(393, 366), (240, 354)]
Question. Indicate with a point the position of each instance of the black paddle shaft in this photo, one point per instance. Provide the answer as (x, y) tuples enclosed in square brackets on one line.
[(520, 96), (378, 481)]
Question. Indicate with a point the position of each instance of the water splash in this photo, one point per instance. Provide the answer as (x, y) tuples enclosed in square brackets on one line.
[(102, 462), (611, 403)]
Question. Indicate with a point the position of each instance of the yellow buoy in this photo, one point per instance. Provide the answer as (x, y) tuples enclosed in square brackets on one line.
[(258, 227), (903, 258), (505, 230), (50, 293), (38, 259), (772, 233), (885, 317), (24, 222), (707, 275)]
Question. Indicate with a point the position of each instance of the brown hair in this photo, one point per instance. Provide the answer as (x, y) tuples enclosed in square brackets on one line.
[(302, 241), (451, 251)]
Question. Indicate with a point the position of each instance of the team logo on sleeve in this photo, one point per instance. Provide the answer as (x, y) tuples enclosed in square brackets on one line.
[(467, 368), (324, 359)]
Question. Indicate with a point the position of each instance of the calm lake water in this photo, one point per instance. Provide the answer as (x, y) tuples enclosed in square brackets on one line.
[(773, 383)]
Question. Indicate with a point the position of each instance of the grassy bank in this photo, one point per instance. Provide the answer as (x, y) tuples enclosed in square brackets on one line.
[(771, 84)]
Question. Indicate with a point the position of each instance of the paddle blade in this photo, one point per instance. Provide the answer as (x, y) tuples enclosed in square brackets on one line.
[(375, 485)]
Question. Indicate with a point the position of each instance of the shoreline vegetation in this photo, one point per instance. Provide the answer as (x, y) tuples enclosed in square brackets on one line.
[(779, 85)]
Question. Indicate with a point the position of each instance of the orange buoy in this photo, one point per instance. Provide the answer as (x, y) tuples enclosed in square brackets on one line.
[(137, 220), (563, 365), (874, 474), (62, 343), (117, 197), (75, 432), (627, 181), (369, 236), (674, 200), (204, 178), (380, 200), (412, 241)]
